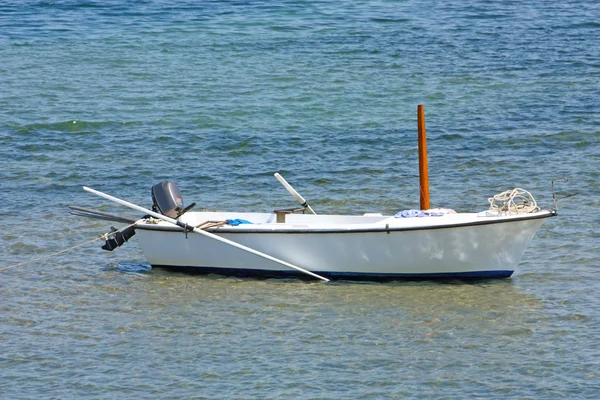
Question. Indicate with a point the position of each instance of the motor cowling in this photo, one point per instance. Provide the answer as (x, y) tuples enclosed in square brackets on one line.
[(167, 199)]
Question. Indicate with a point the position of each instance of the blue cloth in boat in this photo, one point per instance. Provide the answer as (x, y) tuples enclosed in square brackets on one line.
[(419, 213), (236, 222), (408, 214)]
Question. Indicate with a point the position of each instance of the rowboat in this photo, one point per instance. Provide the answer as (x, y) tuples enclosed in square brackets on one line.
[(413, 244), (461, 245)]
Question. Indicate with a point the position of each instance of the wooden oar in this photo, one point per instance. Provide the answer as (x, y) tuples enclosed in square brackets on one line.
[(201, 232), (86, 212), (293, 192)]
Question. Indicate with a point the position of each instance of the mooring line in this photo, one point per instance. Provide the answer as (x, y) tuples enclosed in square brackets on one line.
[(102, 237)]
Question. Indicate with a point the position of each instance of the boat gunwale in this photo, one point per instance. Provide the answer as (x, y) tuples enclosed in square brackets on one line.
[(301, 229)]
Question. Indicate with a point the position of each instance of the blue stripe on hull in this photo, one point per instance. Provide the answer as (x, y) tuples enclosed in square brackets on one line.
[(373, 277)]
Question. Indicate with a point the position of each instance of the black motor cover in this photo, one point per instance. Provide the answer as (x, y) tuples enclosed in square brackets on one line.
[(167, 199)]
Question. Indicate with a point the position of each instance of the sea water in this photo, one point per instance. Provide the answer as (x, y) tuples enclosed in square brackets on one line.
[(216, 96)]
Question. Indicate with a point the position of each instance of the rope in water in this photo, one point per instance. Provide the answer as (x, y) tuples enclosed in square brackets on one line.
[(514, 201), (101, 237)]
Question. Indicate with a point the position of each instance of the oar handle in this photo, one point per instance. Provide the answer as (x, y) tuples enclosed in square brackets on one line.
[(293, 192), (290, 189)]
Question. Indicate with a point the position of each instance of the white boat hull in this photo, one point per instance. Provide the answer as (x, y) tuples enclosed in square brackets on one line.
[(347, 247)]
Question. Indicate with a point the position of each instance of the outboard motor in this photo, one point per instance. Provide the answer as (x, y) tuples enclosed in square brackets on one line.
[(168, 201)]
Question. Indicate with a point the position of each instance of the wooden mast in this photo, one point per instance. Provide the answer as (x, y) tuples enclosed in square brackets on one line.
[(423, 170)]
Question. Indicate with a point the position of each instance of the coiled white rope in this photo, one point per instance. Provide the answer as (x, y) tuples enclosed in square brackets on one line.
[(515, 201)]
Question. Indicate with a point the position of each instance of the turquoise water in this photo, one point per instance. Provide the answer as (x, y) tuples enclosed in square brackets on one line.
[(217, 96)]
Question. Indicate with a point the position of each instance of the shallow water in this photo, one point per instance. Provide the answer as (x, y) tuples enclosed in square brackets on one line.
[(217, 96)]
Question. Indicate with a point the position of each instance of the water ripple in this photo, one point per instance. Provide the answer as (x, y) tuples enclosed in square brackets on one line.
[(217, 96)]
